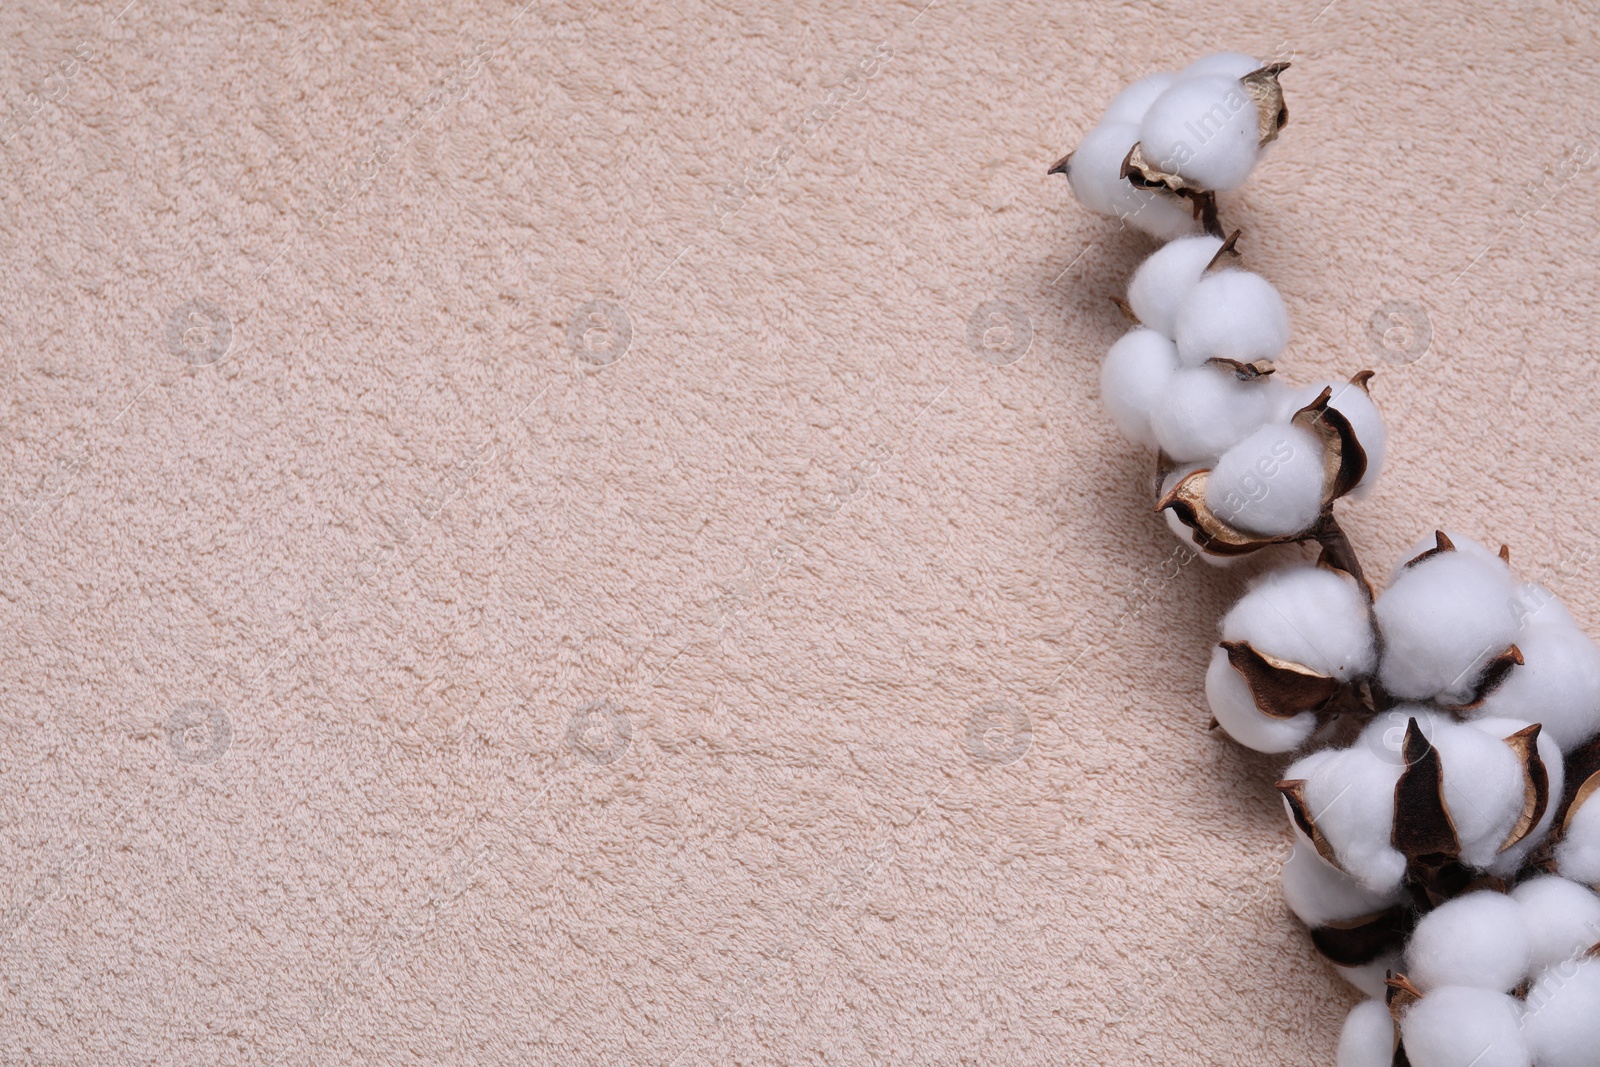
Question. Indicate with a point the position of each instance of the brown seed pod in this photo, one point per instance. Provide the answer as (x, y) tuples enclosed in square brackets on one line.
[(1583, 781), (1494, 673), (1294, 794), (1441, 543), (1423, 830), (1536, 778), (1354, 942), (1245, 372), (1344, 460), (1142, 174), (1400, 994), (1280, 688), (1227, 253), (1272, 114), (1187, 500)]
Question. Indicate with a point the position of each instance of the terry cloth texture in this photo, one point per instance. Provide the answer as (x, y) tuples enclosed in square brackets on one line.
[(584, 533)]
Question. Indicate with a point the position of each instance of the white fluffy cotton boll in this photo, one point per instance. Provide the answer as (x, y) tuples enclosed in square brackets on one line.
[(1478, 940), (1562, 917), (1351, 798), (1207, 410), (1203, 128), (1307, 615), (1561, 1015), (1484, 788), (1095, 174), (1371, 978), (1095, 169), (1578, 852), (1367, 1039), (1165, 278), (1231, 314), (1133, 378), (1223, 64), (1320, 894), (1247, 724), (1131, 104), (1457, 1026), (1557, 684), (1443, 620), (1508, 863), (1355, 404), (1269, 484)]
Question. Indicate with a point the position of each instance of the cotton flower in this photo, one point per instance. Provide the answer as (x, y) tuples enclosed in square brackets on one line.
[(1561, 1015), (1458, 1026), (1094, 171), (1443, 620), (1562, 918), (1133, 379), (1368, 1037), (1477, 684), (1231, 314), (1489, 771), (1206, 410), (1479, 940), (1271, 483), (1201, 130), (1165, 278), (1492, 782), (1205, 128)]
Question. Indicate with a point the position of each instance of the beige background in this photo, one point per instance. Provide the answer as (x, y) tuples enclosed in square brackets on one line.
[(796, 538)]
